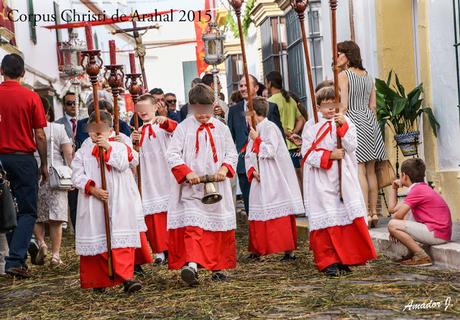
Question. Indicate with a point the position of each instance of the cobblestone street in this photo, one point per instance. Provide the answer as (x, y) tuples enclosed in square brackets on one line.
[(268, 289)]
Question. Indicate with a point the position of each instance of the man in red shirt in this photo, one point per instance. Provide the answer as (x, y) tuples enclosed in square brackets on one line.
[(22, 119)]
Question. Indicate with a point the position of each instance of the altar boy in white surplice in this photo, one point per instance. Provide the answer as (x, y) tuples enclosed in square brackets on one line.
[(201, 234), (125, 208), (275, 198), (338, 231)]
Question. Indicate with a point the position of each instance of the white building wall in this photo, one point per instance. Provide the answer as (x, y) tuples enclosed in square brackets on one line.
[(444, 83)]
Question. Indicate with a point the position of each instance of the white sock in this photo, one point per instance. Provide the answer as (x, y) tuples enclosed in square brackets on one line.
[(160, 255), (193, 265)]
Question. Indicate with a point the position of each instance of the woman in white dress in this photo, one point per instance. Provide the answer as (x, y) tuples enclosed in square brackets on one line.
[(52, 204)]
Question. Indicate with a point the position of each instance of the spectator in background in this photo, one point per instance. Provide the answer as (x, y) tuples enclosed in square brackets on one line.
[(52, 204), (235, 98), (239, 126), (184, 109), (69, 120), (171, 102), (22, 120), (290, 116), (220, 107)]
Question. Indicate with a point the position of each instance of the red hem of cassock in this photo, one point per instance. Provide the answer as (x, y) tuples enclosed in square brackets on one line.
[(273, 236), (157, 232), (143, 255), (213, 250), (94, 269), (348, 245)]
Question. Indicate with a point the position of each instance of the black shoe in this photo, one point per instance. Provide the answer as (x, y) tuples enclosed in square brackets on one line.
[(33, 251), (138, 271), (219, 276), (131, 286), (332, 270), (18, 272), (344, 268), (288, 257), (99, 290), (189, 276), (159, 261)]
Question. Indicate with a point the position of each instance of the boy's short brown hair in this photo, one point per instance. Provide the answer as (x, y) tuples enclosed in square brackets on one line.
[(105, 118), (201, 94), (260, 105), (147, 97), (324, 94), (415, 169)]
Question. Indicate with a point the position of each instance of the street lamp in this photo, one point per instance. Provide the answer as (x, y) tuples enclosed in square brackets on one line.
[(214, 52)]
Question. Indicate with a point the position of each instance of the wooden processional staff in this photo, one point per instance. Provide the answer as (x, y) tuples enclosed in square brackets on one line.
[(299, 6), (136, 88), (237, 4), (91, 61), (333, 5), (114, 76)]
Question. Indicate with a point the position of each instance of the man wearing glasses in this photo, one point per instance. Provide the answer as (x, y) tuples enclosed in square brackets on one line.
[(69, 120), (171, 102)]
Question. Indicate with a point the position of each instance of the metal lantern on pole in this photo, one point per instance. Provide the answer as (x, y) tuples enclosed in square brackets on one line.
[(70, 63), (214, 52)]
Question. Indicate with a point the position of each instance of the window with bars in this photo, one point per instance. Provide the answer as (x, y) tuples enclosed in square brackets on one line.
[(295, 52), (273, 44), (233, 67)]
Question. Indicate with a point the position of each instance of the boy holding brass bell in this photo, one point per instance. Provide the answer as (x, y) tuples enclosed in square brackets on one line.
[(202, 227)]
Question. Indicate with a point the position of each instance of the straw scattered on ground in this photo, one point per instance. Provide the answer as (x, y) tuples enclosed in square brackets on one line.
[(266, 289)]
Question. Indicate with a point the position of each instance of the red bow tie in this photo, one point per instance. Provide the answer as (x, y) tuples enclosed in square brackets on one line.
[(151, 133), (95, 154), (207, 127)]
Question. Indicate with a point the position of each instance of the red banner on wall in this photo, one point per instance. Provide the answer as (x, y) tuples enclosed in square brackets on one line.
[(201, 25)]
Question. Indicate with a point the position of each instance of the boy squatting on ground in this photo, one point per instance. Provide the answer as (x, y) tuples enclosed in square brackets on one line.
[(422, 217)]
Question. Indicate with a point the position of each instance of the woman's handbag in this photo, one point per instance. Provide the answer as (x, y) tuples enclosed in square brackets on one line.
[(8, 206), (60, 176), (385, 173)]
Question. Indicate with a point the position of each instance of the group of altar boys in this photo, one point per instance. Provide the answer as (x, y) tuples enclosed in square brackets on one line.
[(165, 214)]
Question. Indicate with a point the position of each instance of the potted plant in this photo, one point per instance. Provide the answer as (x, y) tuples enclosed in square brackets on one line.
[(400, 112)]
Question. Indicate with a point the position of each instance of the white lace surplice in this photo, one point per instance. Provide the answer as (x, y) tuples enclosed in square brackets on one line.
[(124, 201), (278, 193), (321, 187), (156, 175), (186, 208)]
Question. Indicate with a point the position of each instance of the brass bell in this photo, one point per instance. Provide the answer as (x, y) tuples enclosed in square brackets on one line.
[(211, 196)]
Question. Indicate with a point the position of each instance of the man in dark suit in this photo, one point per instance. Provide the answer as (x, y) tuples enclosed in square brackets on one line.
[(239, 127), (69, 120)]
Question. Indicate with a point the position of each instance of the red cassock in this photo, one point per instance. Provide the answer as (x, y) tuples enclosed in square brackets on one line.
[(94, 269), (143, 255), (157, 232), (273, 236), (213, 250), (349, 245)]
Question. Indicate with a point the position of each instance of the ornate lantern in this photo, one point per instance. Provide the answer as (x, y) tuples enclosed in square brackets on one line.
[(69, 65), (213, 45)]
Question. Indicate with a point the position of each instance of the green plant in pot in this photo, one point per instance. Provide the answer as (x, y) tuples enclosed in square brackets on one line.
[(400, 112)]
